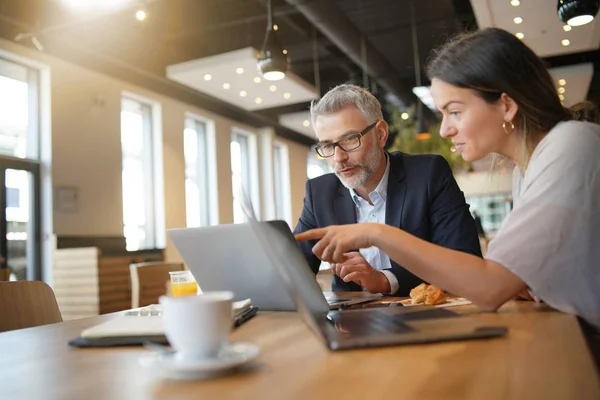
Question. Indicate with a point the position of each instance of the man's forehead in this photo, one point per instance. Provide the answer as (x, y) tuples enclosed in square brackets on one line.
[(335, 126)]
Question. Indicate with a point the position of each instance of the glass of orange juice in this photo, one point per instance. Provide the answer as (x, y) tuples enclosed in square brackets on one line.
[(183, 283)]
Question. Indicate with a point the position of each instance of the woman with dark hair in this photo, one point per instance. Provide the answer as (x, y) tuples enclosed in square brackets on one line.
[(496, 96)]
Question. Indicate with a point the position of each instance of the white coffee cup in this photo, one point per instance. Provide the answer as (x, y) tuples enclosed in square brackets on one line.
[(197, 327)]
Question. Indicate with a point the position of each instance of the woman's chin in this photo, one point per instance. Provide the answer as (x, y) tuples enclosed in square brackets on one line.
[(469, 157)]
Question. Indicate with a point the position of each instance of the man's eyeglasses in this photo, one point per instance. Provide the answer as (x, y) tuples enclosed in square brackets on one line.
[(348, 143)]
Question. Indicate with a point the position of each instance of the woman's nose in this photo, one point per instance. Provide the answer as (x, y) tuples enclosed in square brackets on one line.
[(446, 130)]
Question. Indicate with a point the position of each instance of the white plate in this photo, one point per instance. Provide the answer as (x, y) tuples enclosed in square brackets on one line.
[(169, 366)]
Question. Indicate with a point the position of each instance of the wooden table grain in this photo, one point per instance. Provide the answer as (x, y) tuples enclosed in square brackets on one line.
[(544, 356)]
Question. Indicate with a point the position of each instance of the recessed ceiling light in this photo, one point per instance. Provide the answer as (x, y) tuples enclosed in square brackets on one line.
[(243, 93), (565, 42), (258, 100), (518, 20), (561, 97), (239, 71), (256, 79), (272, 88), (226, 86), (567, 28), (306, 123), (286, 95), (140, 15), (207, 77), (561, 90), (514, 3), (275, 27), (520, 35), (562, 82), (284, 51), (404, 116)]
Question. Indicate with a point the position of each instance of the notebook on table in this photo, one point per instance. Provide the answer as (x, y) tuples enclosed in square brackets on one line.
[(136, 327)]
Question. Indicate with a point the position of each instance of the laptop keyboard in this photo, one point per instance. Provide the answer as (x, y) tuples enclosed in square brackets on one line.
[(368, 323), (373, 321)]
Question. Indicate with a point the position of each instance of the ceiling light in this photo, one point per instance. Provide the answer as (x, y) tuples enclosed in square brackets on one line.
[(284, 51), (275, 28), (243, 93), (258, 100), (518, 20), (226, 86), (239, 71), (577, 12), (561, 90), (520, 35), (515, 3), (272, 61), (272, 88), (561, 97), (567, 28), (562, 82), (207, 77), (286, 95), (256, 79), (140, 15), (565, 42), (404, 116), (306, 123)]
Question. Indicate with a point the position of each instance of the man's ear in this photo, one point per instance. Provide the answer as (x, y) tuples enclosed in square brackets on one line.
[(382, 132), (509, 107)]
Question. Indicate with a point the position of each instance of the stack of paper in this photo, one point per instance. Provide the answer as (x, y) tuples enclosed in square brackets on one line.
[(144, 324)]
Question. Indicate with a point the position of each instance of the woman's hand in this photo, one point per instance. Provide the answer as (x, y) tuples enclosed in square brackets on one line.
[(336, 240)]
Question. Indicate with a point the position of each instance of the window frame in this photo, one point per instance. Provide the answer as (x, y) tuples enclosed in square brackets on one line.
[(251, 163), (207, 169), (152, 164)]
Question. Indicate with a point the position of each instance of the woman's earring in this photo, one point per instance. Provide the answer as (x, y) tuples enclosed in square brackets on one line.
[(505, 127)]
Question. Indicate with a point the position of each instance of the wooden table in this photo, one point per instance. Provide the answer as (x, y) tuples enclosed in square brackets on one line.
[(544, 356)]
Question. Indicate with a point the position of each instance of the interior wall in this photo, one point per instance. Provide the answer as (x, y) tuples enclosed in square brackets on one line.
[(86, 150)]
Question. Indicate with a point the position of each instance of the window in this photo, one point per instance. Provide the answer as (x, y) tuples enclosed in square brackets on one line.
[(281, 173), (20, 138), (200, 176), (19, 99), (138, 173), (315, 165), (244, 172), (491, 208)]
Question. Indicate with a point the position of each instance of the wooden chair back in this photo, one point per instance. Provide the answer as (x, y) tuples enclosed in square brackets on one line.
[(4, 274), (24, 304), (149, 281)]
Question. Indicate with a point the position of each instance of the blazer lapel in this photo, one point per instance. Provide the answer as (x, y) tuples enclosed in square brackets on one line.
[(396, 192), (345, 212)]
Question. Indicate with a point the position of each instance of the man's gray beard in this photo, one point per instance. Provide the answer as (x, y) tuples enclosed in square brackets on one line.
[(366, 169)]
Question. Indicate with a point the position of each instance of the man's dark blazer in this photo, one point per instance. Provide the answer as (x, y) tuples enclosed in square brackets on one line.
[(423, 199)]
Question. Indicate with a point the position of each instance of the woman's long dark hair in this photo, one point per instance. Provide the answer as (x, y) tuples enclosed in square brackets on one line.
[(494, 61)]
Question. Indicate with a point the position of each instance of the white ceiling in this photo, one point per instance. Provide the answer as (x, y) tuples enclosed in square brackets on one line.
[(544, 32), (299, 122), (228, 85), (541, 26)]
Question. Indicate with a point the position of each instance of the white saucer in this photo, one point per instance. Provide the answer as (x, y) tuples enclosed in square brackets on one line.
[(232, 355)]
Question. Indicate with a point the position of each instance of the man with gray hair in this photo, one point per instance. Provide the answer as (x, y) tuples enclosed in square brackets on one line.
[(416, 193)]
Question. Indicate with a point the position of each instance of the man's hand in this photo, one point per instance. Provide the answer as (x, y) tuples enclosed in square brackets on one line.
[(356, 269)]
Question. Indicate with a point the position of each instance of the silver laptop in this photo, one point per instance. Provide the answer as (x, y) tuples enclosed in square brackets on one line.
[(347, 329), (230, 257)]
